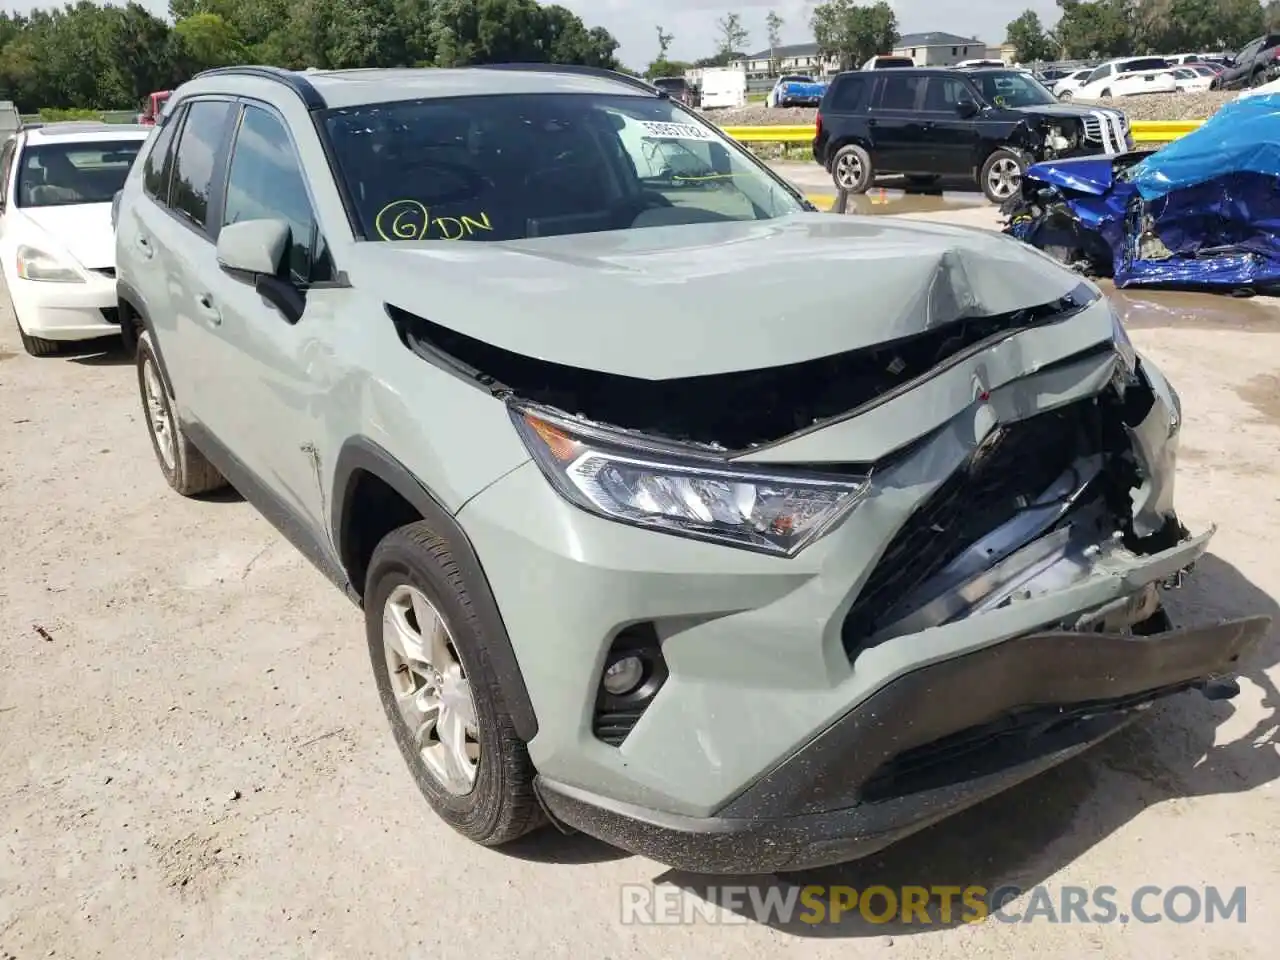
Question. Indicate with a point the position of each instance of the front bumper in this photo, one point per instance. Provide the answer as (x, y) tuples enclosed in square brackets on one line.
[(928, 745), (66, 311)]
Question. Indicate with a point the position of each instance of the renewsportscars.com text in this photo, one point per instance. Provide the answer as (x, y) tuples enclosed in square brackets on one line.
[(945, 905)]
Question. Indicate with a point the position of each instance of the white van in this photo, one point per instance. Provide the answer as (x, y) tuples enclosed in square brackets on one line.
[(723, 87)]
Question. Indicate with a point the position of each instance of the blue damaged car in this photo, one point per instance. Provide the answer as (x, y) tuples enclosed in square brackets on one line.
[(1202, 213)]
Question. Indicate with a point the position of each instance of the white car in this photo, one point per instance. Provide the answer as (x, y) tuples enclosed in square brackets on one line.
[(1127, 77), (1064, 88), (1194, 79), (57, 246)]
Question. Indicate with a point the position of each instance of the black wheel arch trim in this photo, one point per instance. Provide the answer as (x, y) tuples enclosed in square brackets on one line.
[(128, 296), (360, 454)]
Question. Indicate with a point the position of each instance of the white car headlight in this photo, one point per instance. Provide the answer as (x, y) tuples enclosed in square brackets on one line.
[(778, 512), (35, 264)]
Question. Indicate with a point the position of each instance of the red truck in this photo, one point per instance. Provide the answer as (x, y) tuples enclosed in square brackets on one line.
[(153, 107)]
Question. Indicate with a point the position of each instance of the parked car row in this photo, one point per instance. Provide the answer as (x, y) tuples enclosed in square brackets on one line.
[(936, 529), (983, 124)]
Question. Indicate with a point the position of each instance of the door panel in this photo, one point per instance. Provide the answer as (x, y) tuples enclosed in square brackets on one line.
[(952, 139), (185, 252), (898, 135), (267, 374)]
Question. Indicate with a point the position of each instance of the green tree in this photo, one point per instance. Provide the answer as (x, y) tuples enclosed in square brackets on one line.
[(733, 35), (209, 40), (854, 33), (1027, 35), (1095, 29), (664, 43), (773, 30)]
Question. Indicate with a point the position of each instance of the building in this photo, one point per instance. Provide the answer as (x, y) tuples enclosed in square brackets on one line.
[(938, 49), (788, 58)]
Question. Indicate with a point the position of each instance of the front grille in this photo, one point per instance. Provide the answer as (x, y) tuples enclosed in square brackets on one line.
[(1013, 466), (1106, 131)]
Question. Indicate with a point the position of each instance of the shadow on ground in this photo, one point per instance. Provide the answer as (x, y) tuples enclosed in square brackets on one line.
[(102, 352), (1025, 836)]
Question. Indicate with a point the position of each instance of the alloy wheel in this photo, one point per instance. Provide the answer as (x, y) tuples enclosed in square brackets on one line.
[(159, 414), (431, 689), (1004, 178)]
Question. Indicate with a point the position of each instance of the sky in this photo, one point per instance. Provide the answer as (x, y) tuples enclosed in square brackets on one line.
[(693, 22)]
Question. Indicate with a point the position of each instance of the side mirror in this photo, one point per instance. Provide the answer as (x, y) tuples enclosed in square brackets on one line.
[(253, 246), (967, 108), (255, 249)]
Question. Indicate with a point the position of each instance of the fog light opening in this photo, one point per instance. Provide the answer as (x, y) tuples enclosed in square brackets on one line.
[(623, 676)]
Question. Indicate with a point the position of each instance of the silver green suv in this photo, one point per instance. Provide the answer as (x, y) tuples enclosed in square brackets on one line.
[(739, 535)]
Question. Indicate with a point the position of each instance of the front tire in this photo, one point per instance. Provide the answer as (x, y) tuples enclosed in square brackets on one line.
[(851, 169), (1065, 95), (1001, 176), (440, 692), (184, 467)]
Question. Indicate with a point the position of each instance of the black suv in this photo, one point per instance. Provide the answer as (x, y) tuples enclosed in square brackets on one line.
[(1254, 65), (984, 124)]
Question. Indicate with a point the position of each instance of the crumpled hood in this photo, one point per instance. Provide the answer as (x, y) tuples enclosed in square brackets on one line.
[(681, 301), (83, 230), (1068, 110)]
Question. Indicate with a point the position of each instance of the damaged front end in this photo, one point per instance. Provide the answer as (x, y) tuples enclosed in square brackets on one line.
[(1029, 495), (1199, 214)]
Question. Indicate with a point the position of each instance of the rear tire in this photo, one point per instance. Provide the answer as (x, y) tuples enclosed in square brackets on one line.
[(184, 467), (851, 169), (1001, 176), (490, 800)]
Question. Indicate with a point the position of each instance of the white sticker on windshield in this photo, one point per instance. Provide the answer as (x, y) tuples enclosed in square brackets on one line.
[(676, 131)]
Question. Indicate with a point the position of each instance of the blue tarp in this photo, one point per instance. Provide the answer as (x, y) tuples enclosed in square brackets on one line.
[(1242, 137)]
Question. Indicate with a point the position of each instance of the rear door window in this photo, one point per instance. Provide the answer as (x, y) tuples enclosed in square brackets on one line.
[(849, 94), (158, 169), (899, 92), (202, 138)]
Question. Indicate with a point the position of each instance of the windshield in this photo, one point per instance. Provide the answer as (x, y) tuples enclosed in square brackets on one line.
[(511, 167), (58, 174), (1013, 89), (670, 83)]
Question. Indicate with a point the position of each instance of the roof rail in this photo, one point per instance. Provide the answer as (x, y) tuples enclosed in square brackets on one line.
[(296, 81), (602, 72)]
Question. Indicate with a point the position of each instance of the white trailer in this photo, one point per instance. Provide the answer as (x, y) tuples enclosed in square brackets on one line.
[(723, 87)]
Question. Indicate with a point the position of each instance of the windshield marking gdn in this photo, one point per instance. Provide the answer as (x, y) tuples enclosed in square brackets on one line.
[(517, 167), (411, 220)]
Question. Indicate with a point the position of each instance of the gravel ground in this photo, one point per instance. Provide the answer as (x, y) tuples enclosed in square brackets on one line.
[(193, 762), (1180, 106)]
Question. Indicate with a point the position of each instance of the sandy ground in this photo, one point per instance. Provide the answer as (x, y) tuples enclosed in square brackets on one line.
[(193, 763)]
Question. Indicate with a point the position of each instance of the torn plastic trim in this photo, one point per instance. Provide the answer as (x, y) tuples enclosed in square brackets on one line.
[(755, 409)]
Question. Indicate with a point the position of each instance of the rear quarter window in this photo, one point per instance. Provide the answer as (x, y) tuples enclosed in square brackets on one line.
[(848, 95)]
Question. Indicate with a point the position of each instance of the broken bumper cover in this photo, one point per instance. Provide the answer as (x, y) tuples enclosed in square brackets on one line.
[(929, 744)]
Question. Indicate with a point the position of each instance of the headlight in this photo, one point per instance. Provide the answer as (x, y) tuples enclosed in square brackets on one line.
[(779, 513), (35, 264), (1124, 346)]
